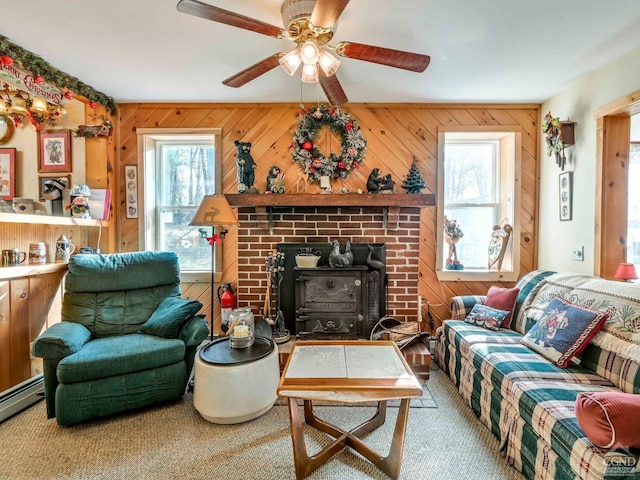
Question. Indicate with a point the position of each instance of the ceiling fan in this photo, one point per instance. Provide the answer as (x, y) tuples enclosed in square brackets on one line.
[(311, 25)]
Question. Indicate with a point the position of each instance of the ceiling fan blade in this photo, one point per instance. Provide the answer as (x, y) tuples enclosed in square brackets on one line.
[(332, 89), (415, 62), (209, 12), (254, 71), (326, 12)]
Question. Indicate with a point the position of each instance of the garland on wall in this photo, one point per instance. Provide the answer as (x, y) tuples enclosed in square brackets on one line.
[(9, 53), (307, 153)]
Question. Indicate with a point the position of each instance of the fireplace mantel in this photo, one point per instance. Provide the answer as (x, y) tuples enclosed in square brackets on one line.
[(331, 200)]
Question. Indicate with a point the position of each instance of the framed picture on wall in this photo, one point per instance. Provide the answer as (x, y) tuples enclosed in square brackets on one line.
[(565, 193), (54, 151), (131, 190), (7, 173), (43, 183)]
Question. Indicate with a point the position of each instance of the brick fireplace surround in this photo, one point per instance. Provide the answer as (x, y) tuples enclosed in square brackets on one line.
[(260, 231)]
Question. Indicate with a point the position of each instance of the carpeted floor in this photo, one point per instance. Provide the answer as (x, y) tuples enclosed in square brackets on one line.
[(173, 441)]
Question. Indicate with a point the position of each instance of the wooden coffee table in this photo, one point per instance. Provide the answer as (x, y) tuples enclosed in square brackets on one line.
[(347, 372)]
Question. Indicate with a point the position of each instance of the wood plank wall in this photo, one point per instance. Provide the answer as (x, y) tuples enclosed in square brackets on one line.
[(395, 134)]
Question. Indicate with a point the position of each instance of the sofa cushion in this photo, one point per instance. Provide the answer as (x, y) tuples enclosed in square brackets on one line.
[(563, 331), (609, 419), (502, 299), (515, 363), (549, 409), (461, 335), (622, 372), (172, 313), (107, 314), (121, 271), (537, 289), (486, 317), (529, 284), (105, 357), (621, 300)]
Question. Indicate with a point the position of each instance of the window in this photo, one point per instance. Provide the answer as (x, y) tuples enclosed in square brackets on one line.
[(477, 190), (179, 170)]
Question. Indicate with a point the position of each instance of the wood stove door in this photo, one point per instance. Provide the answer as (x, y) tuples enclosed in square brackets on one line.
[(331, 303)]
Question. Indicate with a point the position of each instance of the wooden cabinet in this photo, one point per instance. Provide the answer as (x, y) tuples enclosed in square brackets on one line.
[(31, 295), (25, 312)]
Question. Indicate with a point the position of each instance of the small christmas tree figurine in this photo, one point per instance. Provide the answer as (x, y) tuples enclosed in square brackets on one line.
[(413, 183)]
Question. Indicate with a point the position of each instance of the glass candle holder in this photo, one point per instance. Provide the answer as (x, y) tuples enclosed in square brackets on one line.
[(241, 332)]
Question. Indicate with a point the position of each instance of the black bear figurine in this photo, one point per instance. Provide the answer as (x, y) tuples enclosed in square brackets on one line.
[(246, 168)]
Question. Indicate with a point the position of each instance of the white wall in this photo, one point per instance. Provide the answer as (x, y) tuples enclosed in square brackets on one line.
[(578, 103)]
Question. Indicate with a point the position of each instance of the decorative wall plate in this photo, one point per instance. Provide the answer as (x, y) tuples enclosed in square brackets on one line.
[(498, 245)]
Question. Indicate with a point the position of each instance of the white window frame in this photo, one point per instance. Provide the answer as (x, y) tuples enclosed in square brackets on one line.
[(148, 138), (510, 138)]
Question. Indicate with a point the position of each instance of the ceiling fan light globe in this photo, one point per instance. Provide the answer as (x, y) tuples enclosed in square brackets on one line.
[(309, 52), (310, 73), (328, 63), (291, 61)]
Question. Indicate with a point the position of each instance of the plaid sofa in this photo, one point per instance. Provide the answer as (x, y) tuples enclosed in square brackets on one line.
[(526, 400)]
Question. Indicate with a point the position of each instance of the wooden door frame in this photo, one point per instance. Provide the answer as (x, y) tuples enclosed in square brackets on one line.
[(613, 136)]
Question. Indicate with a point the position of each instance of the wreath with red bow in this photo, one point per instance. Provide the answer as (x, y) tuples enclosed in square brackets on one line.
[(313, 161)]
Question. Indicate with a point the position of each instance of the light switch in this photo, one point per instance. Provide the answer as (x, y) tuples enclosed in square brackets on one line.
[(578, 253)]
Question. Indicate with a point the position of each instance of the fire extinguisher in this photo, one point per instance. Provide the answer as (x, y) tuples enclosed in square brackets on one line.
[(227, 303)]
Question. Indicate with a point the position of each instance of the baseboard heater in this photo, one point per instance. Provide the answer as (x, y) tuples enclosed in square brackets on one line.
[(21, 396)]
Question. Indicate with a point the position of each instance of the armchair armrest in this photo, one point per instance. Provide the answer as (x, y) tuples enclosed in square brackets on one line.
[(194, 331), (60, 340), (461, 306)]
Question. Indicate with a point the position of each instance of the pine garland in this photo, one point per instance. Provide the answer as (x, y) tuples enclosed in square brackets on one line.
[(38, 66), (309, 155)]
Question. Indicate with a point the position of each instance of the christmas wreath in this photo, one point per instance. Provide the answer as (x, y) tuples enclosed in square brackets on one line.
[(309, 155)]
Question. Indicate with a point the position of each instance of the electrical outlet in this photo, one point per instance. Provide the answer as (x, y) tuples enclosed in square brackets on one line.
[(578, 253)]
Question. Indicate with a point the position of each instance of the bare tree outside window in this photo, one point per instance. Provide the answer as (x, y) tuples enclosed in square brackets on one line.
[(471, 196), (186, 175)]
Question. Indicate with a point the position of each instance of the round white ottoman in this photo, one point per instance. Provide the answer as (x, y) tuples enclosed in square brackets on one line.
[(234, 385)]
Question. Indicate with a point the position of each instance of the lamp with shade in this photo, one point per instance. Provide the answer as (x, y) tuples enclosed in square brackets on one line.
[(214, 211), (626, 272)]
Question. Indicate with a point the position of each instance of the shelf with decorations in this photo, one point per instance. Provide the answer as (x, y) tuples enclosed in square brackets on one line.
[(51, 220), (331, 200)]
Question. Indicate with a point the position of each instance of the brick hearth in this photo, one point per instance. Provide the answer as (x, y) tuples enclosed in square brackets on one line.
[(324, 224)]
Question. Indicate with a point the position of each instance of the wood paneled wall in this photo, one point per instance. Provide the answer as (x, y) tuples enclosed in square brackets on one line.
[(395, 133)]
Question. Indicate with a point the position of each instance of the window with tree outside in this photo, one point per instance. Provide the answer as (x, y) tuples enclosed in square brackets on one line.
[(478, 191), (181, 170)]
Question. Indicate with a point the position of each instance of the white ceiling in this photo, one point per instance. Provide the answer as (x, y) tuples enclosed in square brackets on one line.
[(481, 51)]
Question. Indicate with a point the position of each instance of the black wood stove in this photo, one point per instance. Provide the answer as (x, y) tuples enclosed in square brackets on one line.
[(334, 303)]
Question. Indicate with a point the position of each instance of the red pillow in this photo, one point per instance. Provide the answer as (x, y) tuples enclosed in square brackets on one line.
[(502, 299), (609, 419)]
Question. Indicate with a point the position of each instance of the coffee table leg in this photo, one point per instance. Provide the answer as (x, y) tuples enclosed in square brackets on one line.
[(391, 463), (368, 426), (305, 464)]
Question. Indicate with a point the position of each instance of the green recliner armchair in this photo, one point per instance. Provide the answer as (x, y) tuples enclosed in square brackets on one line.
[(126, 340)]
